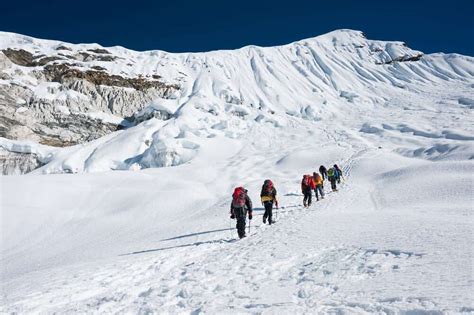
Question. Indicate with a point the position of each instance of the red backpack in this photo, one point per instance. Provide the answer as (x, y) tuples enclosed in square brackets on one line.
[(238, 197), (306, 182), (268, 186)]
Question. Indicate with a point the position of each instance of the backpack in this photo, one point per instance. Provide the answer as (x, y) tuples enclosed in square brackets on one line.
[(317, 178), (331, 172), (238, 197), (267, 186), (306, 181)]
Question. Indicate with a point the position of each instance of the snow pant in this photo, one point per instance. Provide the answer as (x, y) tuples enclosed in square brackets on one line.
[(268, 211), (307, 197), (240, 216), (321, 191), (333, 183)]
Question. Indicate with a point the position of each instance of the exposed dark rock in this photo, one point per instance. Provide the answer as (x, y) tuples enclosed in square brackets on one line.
[(106, 58), (46, 60), (24, 58), (140, 117), (402, 59), (63, 48), (20, 57), (6, 124), (99, 51), (98, 68), (85, 56), (62, 72), (67, 56), (83, 127), (60, 122)]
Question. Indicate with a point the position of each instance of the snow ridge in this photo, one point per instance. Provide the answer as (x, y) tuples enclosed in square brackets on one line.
[(224, 92)]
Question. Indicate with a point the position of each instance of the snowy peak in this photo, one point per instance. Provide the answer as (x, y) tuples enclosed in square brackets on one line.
[(339, 40), (62, 94)]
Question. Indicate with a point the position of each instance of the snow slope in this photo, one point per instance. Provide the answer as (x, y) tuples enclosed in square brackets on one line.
[(396, 239), (227, 92)]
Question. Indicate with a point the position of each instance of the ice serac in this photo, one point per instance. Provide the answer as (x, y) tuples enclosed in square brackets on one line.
[(62, 94)]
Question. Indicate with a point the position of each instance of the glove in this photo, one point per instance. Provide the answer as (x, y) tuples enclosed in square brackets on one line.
[(250, 215), (232, 216), (276, 203)]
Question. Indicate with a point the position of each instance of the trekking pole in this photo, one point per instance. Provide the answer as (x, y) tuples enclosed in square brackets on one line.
[(250, 221), (230, 227)]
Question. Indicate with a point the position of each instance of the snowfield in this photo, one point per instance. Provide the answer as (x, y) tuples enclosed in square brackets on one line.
[(143, 225)]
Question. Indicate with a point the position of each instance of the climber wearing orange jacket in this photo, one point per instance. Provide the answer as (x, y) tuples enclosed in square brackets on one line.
[(318, 182)]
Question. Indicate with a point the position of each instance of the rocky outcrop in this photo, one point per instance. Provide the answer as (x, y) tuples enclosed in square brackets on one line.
[(65, 73), (60, 107), (26, 59), (402, 59), (13, 163), (147, 114)]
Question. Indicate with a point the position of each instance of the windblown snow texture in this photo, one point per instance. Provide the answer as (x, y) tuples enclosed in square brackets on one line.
[(396, 238)]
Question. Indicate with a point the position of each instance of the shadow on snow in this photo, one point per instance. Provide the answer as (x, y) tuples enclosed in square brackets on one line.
[(195, 234), (221, 241)]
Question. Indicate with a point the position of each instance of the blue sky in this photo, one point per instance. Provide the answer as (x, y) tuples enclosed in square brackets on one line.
[(178, 26)]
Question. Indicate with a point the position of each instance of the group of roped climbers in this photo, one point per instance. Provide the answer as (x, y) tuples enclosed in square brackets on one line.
[(241, 204)]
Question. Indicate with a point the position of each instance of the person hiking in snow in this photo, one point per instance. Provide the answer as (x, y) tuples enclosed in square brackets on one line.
[(332, 173), (307, 186), (318, 182), (240, 205), (324, 172), (268, 198), (339, 173)]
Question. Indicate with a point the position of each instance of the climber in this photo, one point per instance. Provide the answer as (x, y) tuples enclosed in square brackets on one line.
[(339, 173), (323, 171), (332, 176), (307, 186), (241, 204), (268, 198), (318, 182)]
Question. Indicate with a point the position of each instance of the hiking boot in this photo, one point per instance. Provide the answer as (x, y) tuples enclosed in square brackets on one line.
[(264, 220)]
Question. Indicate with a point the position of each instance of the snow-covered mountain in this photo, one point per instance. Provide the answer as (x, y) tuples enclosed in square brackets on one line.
[(61, 94), (397, 238)]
